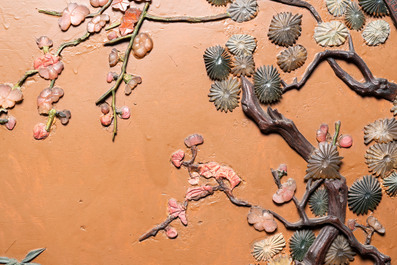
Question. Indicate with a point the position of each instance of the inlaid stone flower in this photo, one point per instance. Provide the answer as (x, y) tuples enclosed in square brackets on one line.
[(381, 131), (177, 158), (243, 10), (176, 209), (285, 28), (213, 169), (324, 162), (193, 140), (300, 243), (219, 2), (336, 7), (286, 192), (375, 8), (269, 247), (47, 97), (142, 45), (364, 195), (40, 132), (97, 23), (318, 202), (241, 44), (217, 62), (129, 20), (376, 32), (197, 193), (390, 184), (98, 3), (375, 224), (382, 158), (267, 84), (121, 5), (292, 58), (339, 252), (225, 94), (49, 66), (330, 34), (243, 65), (354, 17)]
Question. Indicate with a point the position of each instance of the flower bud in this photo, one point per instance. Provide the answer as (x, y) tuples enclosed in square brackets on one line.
[(193, 140), (171, 232), (105, 108), (44, 41), (114, 57), (345, 141), (106, 120), (39, 131), (177, 158), (125, 112), (11, 122)]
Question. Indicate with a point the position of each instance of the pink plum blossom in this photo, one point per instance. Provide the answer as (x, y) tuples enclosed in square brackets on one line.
[(98, 3), (134, 81), (47, 97), (171, 232), (286, 192), (11, 122), (197, 193), (39, 131), (44, 41), (49, 66), (73, 14), (177, 158), (193, 140), (176, 209), (322, 133), (97, 23), (105, 108), (261, 219), (121, 5), (213, 169), (9, 96)]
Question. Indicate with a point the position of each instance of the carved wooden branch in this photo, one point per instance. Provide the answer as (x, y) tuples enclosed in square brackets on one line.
[(372, 87), (273, 121), (333, 224), (303, 4)]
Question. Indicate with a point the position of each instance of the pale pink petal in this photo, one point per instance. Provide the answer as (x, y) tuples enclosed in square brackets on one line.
[(44, 72), (278, 197), (182, 217), (11, 122), (197, 193), (15, 95), (194, 181), (78, 14), (64, 22), (171, 232), (270, 226), (39, 131), (193, 140), (120, 5), (177, 158), (4, 90), (56, 93)]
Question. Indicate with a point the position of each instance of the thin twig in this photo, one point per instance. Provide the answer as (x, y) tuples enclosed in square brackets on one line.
[(72, 43), (101, 10), (126, 56), (25, 76), (188, 19)]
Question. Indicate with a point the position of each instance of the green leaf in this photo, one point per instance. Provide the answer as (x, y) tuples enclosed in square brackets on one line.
[(33, 254)]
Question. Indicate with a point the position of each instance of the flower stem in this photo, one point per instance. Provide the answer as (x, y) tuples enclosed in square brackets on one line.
[(114, 114), (337, 129), (100, 11), (26, 75), (188, 19), (51, 116), (50, 12), (52, 83), (72, 43), (126, 56)]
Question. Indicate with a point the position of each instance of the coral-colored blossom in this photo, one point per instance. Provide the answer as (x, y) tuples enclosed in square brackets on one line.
[(39, 131), (106, 120), (135, 80), (213, 169), (171, 232), (47, 97), (49, 66), (11, 122), (9, 96), (129, 20), (176, 209), (197, 193), (73, 14), (177, 158), (286, 192), (261, 219), (194, 139), (322, 133)]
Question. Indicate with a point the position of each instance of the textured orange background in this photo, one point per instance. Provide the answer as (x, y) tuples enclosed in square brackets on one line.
[(87, 200)]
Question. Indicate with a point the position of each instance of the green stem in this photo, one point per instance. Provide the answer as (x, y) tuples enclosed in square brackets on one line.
[(51, 117), (100, 11), (337, 129), (126, 56), (23, 79), (114, 114), (188, 19), (52, 83), (73, 43), (50, 12), (114, 25)]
